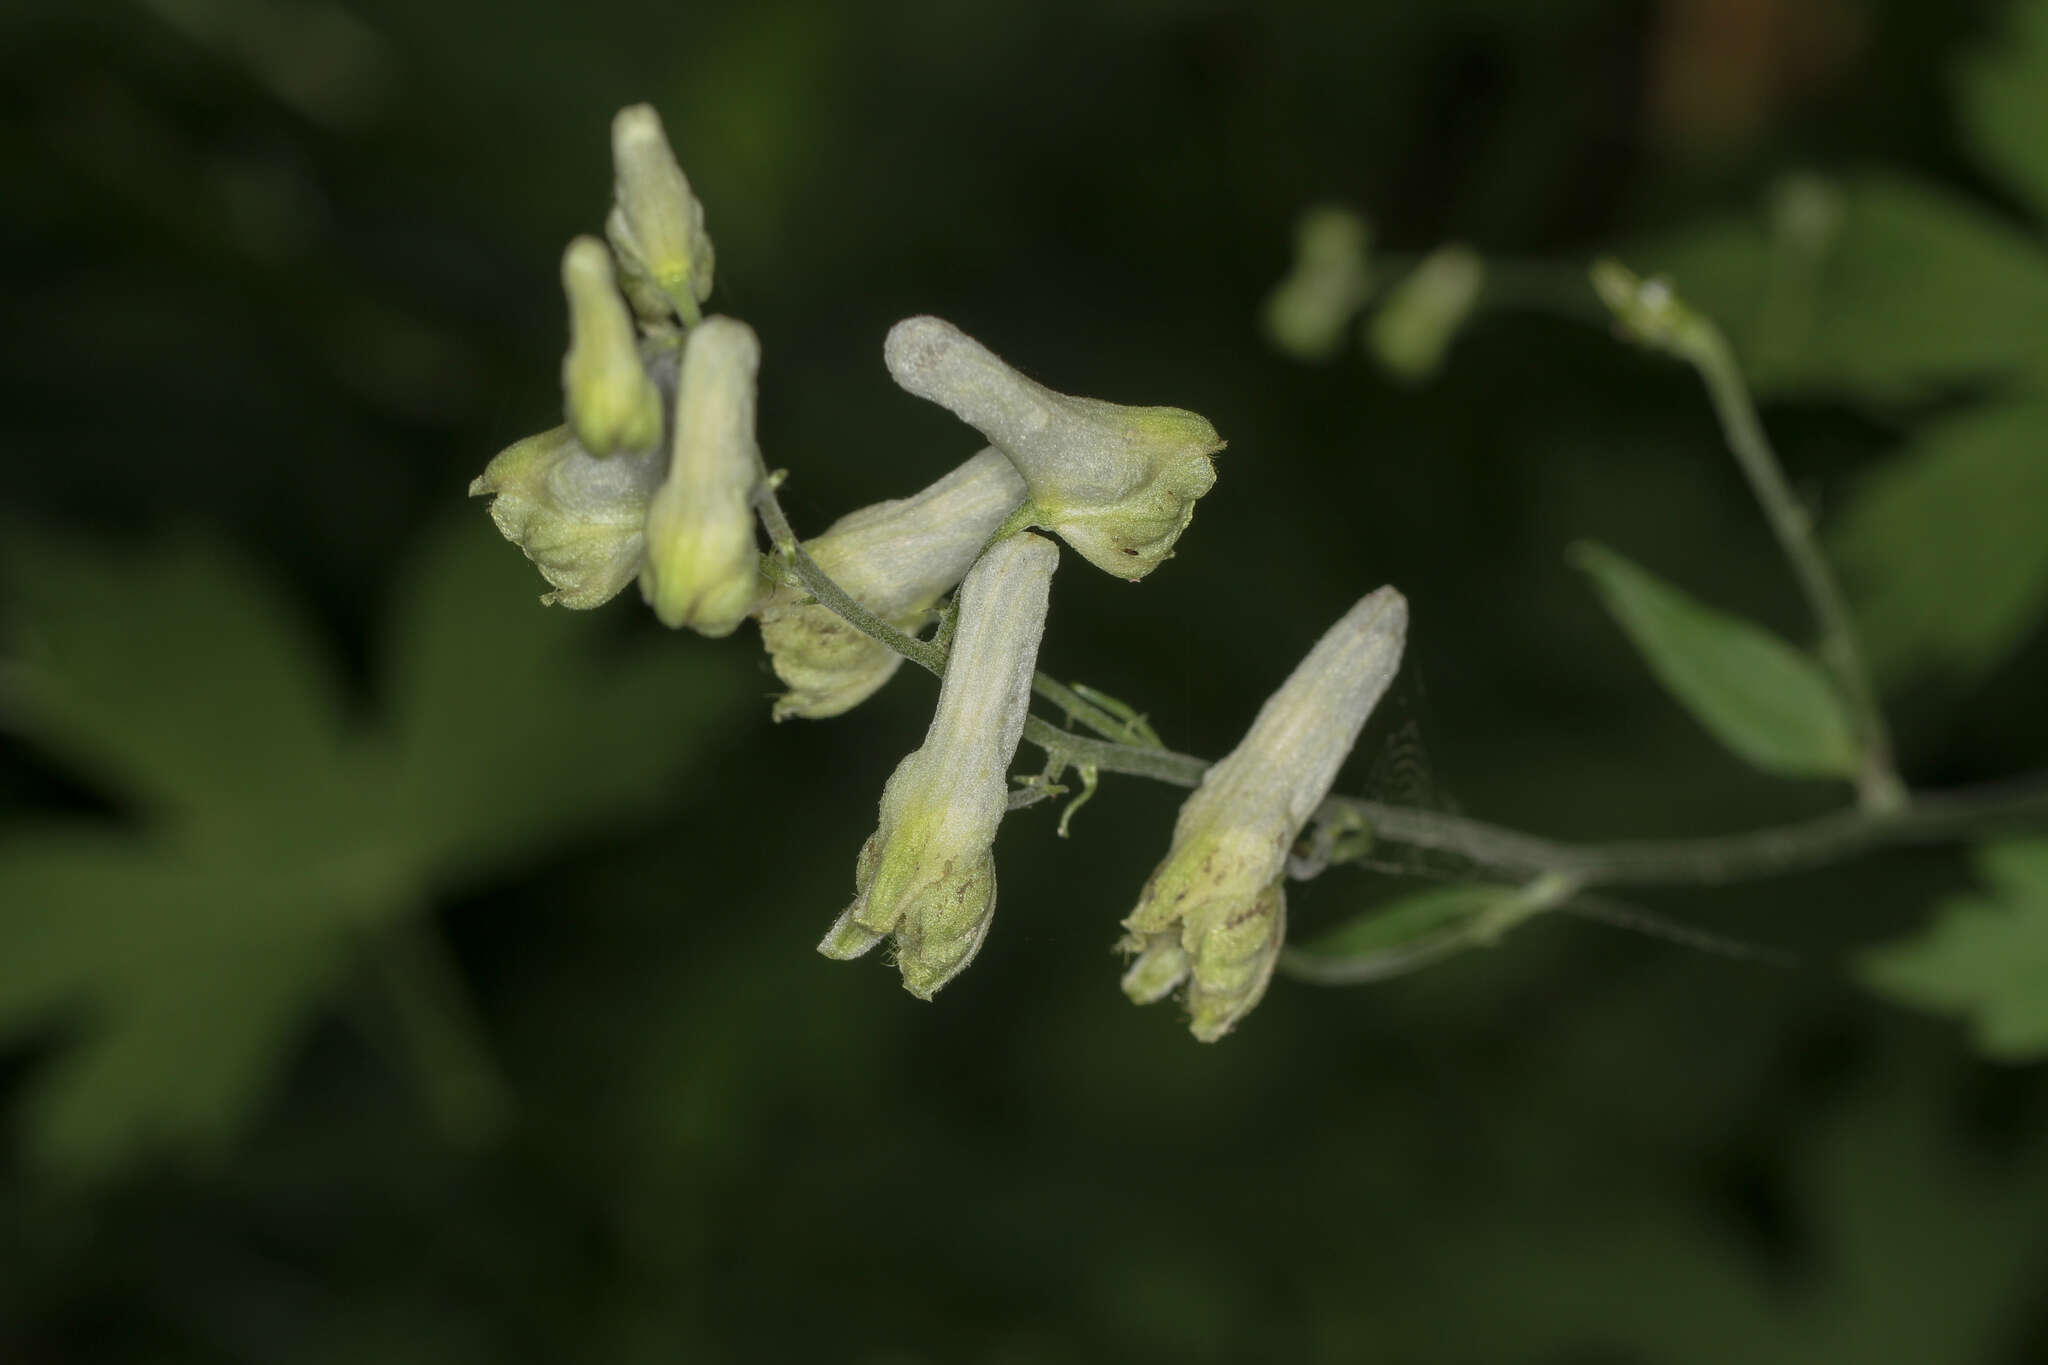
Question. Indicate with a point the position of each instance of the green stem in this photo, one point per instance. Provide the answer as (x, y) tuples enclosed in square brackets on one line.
[(1701, 343)]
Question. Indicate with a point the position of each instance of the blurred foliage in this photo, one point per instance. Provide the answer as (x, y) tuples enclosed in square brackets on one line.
[(283, 273), (1984, 957), (270, 838)]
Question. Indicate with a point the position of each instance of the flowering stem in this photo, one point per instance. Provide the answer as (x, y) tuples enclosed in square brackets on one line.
[(1955, 816)]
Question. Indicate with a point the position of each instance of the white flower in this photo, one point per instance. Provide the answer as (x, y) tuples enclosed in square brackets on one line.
[(702, 568), (579, 518), (1214, 912), (896, 559), (1117, 483), (927, 876)]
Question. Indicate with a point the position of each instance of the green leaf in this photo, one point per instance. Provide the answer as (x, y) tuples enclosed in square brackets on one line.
[(1766, 701), (1984, 957), (2004, 104), (1944, 549), (1408, 933)]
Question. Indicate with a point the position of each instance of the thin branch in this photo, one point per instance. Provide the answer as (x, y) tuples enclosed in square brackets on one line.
[(1700, 343)]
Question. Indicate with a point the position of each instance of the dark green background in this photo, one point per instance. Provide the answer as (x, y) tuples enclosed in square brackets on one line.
[(288, 280)]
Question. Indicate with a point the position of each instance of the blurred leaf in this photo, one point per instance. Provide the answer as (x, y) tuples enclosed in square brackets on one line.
[(1945, 546), (1410, 932), (2004, 103), (1911, 1253), (511, 728), (181, 678), (178, 961), (1917, 291), (1766, 701), (1985, 957)]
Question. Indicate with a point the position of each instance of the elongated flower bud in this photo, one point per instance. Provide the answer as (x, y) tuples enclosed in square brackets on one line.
[(896, 559), (1117, 483), (656, 224), (611, 403), (702, 567), (1414, 328), (927, 876), (579, 518), (1309, 313), (1215, 910)]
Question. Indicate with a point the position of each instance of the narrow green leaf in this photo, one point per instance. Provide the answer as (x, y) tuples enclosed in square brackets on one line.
[(2004, 103), (1983, 957), (1944, 549), (1408, 933), (1766, 701)]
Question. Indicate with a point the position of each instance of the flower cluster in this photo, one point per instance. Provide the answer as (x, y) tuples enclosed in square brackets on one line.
[(655, 475)]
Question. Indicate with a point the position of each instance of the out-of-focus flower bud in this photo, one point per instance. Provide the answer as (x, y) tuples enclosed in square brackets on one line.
[(896, 559), (609, 400), (1309, 312), (656, 224), (1214, 912), (1117, 483), (1648, 312), (927, 876), (702, 568), (577, 517), (1414, 328)]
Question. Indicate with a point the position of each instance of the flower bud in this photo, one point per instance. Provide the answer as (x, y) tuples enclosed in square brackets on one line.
[(579, 518), (1117, 483), (610, 402), (1421, 316), (896, 559), (702, 568), (1648, 311), (1308, 313), (1214, 912), (927, 876), (656, 224)]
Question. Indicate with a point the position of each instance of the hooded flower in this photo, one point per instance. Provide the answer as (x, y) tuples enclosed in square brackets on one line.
[(927, 876), (578, 517), (702, 567), (656, 224), (1214, 913), (1117, 483), (896, 559)]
